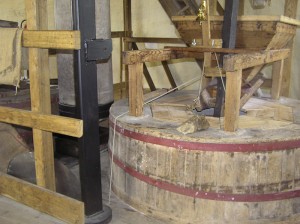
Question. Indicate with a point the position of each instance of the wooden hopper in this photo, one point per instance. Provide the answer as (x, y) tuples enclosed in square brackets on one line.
[(263, 32)]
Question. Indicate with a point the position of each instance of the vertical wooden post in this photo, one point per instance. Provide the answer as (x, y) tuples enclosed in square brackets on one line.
[(232, 100), (136, 96), (36, 11), (128, 33), (277, 73), (213, 7), (290, 10), (206, 36)]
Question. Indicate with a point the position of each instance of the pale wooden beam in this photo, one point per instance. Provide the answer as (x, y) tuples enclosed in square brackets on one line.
[(54, 39), (59, 206), (136, 100), (250, 92), (133, 57), (277, 74), (232, 100), (290, 10), (46, 122), (36, 12), (142, 56), (242, 61)]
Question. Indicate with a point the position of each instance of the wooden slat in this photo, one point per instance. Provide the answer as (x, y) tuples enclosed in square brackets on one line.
[(43, 200), (36, 120), (212, 50), (141, 56), (214, 72), (54, 39), (246, 18), (242, 61), (250, 92), (169, 74), (146, 71), (232, 100), (132, 57), (153, 40), (136, 100), (277, 74), (117, 34), (36, 12)]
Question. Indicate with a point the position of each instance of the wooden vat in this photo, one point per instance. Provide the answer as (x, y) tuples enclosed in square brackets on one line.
[(265, 32), (212, 176)]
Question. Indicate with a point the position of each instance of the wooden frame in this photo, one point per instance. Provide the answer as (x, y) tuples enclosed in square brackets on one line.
[(233, 66), (43, 197)]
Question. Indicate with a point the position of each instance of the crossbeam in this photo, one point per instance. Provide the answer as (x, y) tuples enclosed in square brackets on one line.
[(243, 61), (41, 199), (46, 122), (51, 39)]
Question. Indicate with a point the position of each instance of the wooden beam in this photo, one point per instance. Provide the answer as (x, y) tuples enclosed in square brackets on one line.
[(242, 61), (232, 100), (127, 18), (277, 74), (45, 122), (117, 34), (212, 50), (145, 71), (169, 74), (250, 92), (36, 12), (153, 40), (132, 57), (213, 7), (214, 72), (290, 10), (59, 206), (141, 56), (55, 39), (136, 100)]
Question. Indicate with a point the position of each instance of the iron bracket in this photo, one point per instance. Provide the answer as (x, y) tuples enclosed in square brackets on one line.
[(98, 49)]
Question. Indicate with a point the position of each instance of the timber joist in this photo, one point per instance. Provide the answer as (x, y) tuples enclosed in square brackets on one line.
[(54, 39), (243, 61), (46, 122)]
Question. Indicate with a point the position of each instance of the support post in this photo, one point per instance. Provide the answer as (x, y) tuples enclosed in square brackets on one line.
[(290, 10), (277, 74), (36, 11), (136, 96), (145, 71), (87, 109), (229, 38), (128, 33), (232, 100)]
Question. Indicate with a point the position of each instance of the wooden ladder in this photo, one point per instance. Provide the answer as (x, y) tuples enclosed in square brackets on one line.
[(43, 197)]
